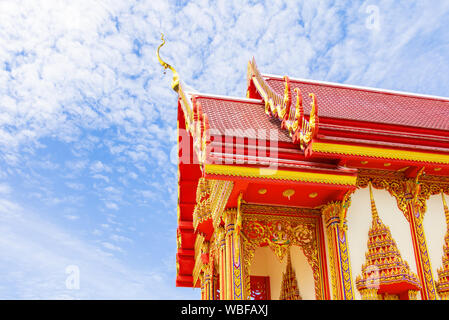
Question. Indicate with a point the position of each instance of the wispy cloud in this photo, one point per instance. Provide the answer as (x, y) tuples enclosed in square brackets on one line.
[(5, 188), (87, 117), (35, 255)]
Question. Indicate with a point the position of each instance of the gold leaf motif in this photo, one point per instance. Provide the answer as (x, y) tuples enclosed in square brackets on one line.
[(280, 233)]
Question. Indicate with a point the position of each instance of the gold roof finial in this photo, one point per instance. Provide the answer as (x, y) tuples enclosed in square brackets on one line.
[(175, 81)]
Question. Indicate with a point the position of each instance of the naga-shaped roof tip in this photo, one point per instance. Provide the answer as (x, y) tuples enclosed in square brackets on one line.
[(175, 81)]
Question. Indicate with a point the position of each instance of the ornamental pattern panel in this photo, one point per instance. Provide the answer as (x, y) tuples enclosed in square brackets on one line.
[(211, 199), (403, 188), (411, 195), (279, 233)]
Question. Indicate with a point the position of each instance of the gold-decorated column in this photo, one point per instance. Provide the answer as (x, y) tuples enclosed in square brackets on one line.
[(207, 286), (443, 272), (414, 208), (235, 277), (340, 266), (222, 262)]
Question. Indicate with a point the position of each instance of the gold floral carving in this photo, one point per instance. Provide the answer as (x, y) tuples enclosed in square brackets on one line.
[(279, 233), (404, 189), (393, 182), (211, 199), (432, 185)]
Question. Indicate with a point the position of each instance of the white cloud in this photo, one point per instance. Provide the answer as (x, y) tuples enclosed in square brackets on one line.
[(35, 255), (111, 205), (81, 83), (102, 177), (119, 238), (71, 217), (76, 165), (75, 186), (148, 194), (5, 188), (98, 166), (112, 247)]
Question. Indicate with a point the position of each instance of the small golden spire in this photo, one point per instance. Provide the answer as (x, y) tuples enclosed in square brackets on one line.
[(289, 284), (446, 209), (373, 204), (175, 81), (384, 269)]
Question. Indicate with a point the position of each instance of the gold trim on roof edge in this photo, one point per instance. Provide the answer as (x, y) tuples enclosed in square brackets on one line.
[(382, 153), (280, 174)]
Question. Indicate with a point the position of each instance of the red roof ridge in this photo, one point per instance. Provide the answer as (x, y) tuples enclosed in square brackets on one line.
[(223, 97), (362, 88)]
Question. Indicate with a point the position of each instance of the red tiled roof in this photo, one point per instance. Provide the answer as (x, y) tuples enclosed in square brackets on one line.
[(360, 104), (240, 116)]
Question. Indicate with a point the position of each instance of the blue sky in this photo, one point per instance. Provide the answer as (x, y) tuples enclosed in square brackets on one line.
[(88, 118)]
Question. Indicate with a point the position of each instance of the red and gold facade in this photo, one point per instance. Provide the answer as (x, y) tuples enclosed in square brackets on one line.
[(273, 198)]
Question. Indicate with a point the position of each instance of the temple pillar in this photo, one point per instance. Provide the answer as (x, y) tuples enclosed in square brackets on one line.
[(208, 280), (234, 267), (443, 273), (413, 208), (222, 262), (207, 286), (425, 275), (334, 214)]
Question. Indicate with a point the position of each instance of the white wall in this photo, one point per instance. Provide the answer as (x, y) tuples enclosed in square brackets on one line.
[(266, 263), (435, 230), (359, 222)]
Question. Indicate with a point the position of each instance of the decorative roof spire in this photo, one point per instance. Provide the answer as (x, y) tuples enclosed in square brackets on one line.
[(446, 210), (374, 214), (443, 273), (384, 273), (301, 130), (289, 286), (175, 81)]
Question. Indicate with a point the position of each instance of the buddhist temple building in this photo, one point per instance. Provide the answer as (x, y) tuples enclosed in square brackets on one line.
[(305, 189)]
